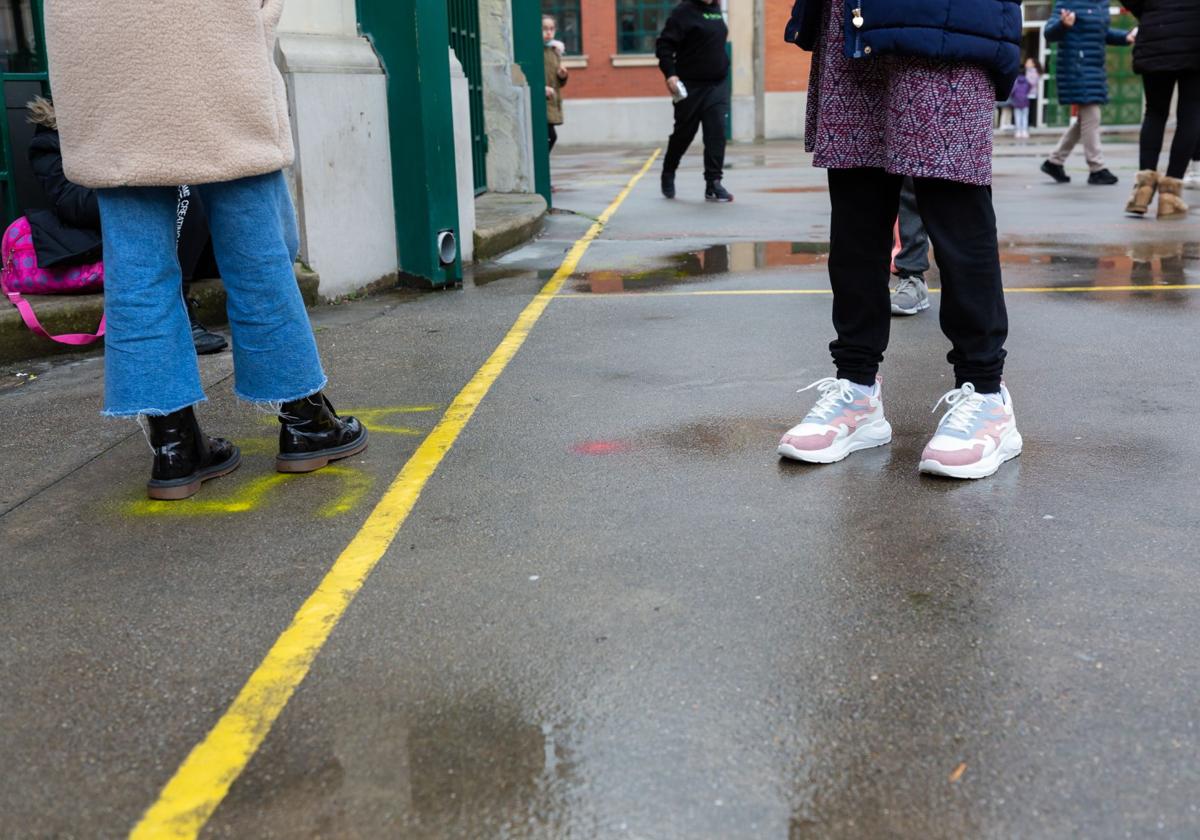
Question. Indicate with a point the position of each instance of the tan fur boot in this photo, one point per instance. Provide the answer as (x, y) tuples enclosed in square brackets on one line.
[(1143, 193), (1170, 202)]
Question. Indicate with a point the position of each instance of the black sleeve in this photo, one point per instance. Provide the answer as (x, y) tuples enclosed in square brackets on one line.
[(73, 204), (668, 43), (1135, 6)]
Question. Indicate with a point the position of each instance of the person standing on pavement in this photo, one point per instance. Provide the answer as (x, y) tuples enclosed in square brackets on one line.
[(120, 132), (556, 75), (1167, 56), (1082, 28), (912, 259), (891, 96), (691, 54)]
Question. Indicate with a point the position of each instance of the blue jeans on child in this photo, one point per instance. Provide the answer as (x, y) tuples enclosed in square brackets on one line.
[(149, 361), (1021, 120)]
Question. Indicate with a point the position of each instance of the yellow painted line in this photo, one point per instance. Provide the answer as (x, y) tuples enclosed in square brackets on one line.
[(202, 781), (1019, 290)]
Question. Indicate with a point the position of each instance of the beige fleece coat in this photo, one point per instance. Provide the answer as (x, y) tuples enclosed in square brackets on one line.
[(167, 92)]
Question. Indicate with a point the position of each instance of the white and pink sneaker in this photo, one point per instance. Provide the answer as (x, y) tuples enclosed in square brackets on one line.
[(845, 419), (975, 436)]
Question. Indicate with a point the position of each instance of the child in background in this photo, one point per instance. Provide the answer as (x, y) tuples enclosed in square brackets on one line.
[(556, 76), (1033, 72)]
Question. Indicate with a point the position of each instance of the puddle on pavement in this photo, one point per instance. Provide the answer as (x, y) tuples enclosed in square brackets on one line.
[(1146, 264), (704, 265), (491, 274), (480, 768)]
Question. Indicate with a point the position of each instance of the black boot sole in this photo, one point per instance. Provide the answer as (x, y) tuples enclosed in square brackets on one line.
[(306, 462), (178, 489)]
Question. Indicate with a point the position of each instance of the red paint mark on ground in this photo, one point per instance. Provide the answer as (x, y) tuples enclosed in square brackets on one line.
[(600, 447)]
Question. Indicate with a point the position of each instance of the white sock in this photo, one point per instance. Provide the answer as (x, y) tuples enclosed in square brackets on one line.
[(863, 389)]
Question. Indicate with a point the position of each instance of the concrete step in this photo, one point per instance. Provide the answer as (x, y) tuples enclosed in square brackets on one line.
[(505, 220), (81, 313)]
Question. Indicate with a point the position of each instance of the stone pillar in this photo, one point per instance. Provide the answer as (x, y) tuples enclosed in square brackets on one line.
[(337, 94), (465, 174), (505, 102)]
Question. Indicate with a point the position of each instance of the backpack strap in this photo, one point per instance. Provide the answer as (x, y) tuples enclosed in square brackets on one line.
[(31, 321)]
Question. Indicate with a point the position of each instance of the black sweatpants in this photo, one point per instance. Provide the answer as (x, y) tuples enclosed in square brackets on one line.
[(961, 224), (1159, 89), (707, 104)]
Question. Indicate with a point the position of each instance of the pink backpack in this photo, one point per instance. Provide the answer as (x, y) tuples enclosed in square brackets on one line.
[(22, 276)]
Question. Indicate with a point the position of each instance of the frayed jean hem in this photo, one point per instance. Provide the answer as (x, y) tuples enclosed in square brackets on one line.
[(274, 403), (123, 413)]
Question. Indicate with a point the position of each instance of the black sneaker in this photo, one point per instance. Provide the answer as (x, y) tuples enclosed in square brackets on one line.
[(1102, 178), (716, 192), (1056, 171), (668, 184)]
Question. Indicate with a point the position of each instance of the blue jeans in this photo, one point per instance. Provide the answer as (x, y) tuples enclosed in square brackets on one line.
[(149, 362)]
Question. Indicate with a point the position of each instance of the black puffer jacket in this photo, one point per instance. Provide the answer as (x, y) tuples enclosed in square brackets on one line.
[(1168, 38), (68, 233)]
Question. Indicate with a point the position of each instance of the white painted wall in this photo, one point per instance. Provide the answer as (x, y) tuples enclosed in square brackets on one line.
[(343, 172), (320, 17), (460, 103), (646, 120)]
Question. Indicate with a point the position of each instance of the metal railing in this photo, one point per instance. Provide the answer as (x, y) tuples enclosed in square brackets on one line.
[(464, 40)]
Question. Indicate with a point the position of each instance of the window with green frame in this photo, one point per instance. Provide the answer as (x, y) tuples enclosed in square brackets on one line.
[(639, 22), (570, 29)]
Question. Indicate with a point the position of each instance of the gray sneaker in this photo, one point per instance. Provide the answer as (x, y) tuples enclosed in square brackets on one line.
[(911, 296)]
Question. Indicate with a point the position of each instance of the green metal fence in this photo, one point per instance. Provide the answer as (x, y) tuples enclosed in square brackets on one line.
[(464, 40), (23, 63)]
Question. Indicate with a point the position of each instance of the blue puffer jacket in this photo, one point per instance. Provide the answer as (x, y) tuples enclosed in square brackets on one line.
[(1081, 74), (984, 32)]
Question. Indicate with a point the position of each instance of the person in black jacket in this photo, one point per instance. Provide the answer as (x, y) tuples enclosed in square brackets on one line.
[(69, 232), (691, 54), (1167, 56)]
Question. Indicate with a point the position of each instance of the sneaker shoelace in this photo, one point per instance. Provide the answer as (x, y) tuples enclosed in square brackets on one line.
[(908, 284), (963, 406), (834, 394)]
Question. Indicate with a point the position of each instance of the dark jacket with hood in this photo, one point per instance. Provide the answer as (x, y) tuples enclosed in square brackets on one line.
[(1168, 38), (983, 32), (69, 232), (1082, 70), (692, 43)]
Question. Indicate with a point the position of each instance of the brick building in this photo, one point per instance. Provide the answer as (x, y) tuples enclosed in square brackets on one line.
[(616, 93)]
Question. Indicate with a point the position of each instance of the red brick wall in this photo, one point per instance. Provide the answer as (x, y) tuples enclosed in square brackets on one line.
[(600, 79), (787, 65)]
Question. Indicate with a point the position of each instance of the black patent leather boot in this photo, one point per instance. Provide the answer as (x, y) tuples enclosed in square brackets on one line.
[(311, 435), (185, 457)]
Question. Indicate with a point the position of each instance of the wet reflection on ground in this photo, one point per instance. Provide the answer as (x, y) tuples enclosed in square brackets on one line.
[(1141, 264), (704, 265)]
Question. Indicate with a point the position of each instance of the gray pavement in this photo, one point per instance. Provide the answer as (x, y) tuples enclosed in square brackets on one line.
[(614, 612)]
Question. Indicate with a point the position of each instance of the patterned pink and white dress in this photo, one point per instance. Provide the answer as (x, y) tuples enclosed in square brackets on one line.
[(910, 116)]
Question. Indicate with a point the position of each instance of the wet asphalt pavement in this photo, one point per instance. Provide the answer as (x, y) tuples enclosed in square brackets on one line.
[(614, 612)]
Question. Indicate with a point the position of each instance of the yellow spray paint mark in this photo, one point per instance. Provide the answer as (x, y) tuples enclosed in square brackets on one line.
[(375, 418), (189, 798), (354, 486)]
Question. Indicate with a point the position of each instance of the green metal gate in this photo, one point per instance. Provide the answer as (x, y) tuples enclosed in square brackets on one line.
[(22, 73), (464, 40)]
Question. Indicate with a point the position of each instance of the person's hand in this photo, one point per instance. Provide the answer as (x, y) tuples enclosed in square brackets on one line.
[(1067, 17), (1132, 36), (549, 92), (562, 73), (673, 85)]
